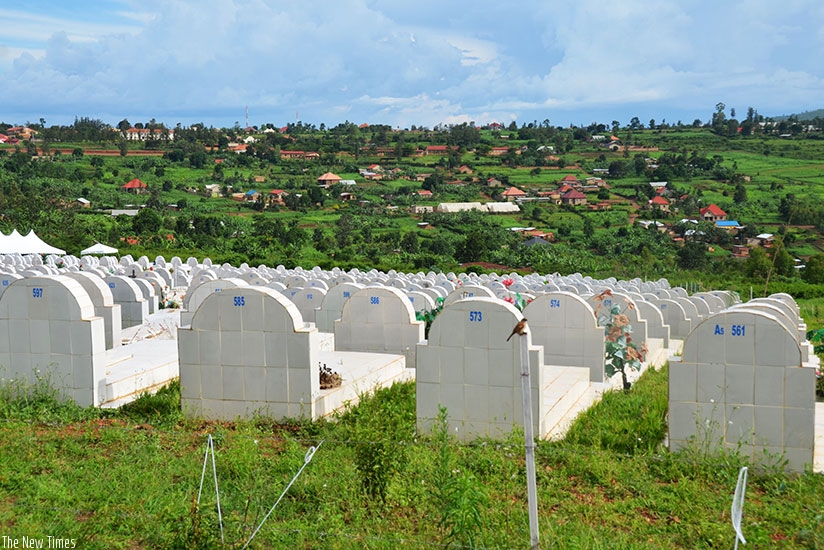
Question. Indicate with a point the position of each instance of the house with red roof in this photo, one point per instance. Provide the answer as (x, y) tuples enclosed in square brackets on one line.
[(135, 186), (276, 196), (568, 179), (660, 203), (712, 213), (498, 151), (438, 149), (329, 179), (574, 197), (513, 193), (425, 193)]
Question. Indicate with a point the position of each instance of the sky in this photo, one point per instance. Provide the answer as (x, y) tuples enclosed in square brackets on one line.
[(403, 63)]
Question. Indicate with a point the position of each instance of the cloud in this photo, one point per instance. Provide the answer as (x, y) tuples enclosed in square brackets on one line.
[(404, 64)]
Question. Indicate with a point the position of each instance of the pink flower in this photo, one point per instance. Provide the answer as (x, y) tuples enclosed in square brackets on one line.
[(509, 299), (508, 282)]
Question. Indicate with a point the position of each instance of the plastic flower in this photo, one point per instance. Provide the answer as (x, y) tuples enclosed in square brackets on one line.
[(508, 282), (509, 299), (620, 320)]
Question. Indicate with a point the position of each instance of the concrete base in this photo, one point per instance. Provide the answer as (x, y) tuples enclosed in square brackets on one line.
[(362, 373), (144, 366)]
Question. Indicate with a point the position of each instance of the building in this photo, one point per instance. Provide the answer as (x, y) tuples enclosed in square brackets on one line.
[(660, 203), (328, 179), (574, 197), (513, 193), (136, 186), (712, 213)]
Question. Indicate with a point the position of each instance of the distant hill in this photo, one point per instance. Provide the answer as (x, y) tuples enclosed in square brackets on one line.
[(807, 115)]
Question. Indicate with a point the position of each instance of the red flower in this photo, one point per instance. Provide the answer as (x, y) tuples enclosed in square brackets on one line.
[(509, 299), (508, 282)]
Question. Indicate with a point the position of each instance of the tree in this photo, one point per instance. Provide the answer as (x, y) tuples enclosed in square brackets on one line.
[(123, 145), (147, 221), (692, 255), (589, 230), (813, 271), (740, 194), (758, 264), (409, 243)]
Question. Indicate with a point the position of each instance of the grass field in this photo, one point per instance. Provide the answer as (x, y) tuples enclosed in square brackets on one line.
[(130, 479)]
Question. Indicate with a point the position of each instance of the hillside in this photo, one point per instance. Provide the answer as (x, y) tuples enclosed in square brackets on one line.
[(368, 196), (806, 115)]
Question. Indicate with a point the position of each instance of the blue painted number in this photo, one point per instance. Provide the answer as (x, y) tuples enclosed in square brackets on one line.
[(374, 300), (37, 292), (475, 317), (240, 301), (555, 303)]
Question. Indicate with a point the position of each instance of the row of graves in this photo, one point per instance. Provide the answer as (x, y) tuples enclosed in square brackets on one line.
[(304, 343)]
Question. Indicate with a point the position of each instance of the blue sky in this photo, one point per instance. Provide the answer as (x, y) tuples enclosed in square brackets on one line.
[(403, 63)]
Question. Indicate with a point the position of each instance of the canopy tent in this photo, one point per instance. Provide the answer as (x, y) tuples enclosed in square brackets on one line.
[(30, 244), (98, 248)]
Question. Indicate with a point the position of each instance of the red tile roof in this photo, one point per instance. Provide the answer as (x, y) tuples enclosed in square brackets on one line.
[(713, 210), (659, 200), (513, 192), (134, 184), (573, 194), (329, 176)]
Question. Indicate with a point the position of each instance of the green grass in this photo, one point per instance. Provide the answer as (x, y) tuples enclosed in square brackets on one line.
[(128, 479)]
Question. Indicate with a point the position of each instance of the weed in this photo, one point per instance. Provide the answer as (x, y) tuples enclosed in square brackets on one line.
[(162, 407), (37, 398), (378, 428), (459, 496)]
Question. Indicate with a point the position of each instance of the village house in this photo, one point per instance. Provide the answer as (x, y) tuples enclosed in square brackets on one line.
[(574, 197), (292, 154), (513, 193), (135, 186), (424, 193), (712, 213), (569, 179), (145, 134), (660, 203), (328, 179), (21, 132), (420, 209), (276, 196), (764, 240)]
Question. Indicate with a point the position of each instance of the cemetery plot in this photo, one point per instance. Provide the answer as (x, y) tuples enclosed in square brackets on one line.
[(248, 351), (741, 382)]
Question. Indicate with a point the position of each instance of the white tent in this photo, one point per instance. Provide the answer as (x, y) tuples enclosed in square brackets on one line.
[(98, 248), (30, 244)]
